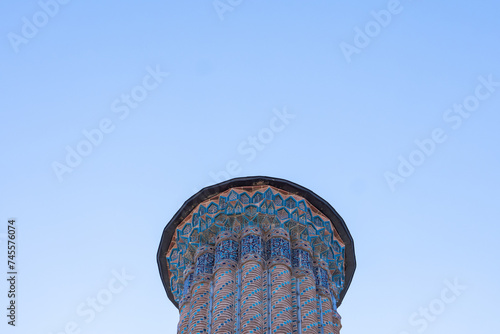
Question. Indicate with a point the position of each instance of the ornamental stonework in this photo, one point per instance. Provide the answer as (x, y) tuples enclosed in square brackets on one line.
[(256, 255)]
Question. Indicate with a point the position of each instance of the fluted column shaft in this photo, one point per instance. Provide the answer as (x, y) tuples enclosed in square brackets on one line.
[(324, 297), (279, 264), (252, 270), (244, 284), (306, 288), (200, 291), (226, 262), (184, 304), (337, 325)]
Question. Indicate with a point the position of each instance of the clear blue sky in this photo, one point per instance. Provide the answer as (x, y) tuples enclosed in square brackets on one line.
[(389, 110)]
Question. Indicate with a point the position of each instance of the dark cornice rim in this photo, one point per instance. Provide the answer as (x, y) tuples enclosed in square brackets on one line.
[(210, 191)]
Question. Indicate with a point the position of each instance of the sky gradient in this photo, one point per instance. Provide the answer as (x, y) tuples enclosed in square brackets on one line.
[(114, 113)]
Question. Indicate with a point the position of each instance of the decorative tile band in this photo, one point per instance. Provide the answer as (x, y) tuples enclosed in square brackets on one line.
[(263, 207), (256, 261)]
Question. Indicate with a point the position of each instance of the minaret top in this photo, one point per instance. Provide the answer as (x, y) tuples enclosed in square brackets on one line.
[(264, 202)]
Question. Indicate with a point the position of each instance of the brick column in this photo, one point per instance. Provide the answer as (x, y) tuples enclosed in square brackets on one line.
[(184, 304), (252, 271), (307, 303), (279, 264), (224, 295), (325, 305), (200, 291)]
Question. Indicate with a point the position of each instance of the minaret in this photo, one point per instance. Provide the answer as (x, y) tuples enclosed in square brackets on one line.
[(256, 255)]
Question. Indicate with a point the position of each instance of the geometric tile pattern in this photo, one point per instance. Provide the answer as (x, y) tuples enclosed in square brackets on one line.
[(256, 260), (265, 207)]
